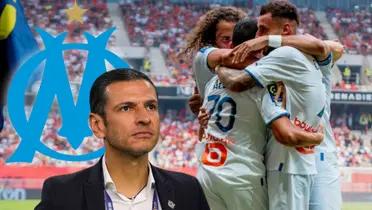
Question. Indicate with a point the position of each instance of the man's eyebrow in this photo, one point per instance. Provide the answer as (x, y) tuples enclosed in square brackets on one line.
[(130, 103), (151, 101)]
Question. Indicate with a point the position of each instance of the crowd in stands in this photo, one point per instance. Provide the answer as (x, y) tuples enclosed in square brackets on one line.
[(354, 146), (9, 141), (342, 85), (157, 24), (177, 141), (178, 137), (51, 16), (309, 24), (354, 28), (164, 25)]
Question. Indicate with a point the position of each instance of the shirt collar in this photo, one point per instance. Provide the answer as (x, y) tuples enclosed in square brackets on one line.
[(109, 183)]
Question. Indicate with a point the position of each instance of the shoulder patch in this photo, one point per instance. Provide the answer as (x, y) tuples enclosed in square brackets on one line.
[(273, 91)]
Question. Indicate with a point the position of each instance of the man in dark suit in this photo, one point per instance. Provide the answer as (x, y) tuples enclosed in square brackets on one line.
[(124, 112)]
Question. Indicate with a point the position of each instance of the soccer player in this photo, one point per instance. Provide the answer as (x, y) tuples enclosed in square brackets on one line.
[(213, 30), (290, 170), (231, 155), (326, 192)]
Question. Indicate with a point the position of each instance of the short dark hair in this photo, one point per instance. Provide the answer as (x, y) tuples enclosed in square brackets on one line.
[(98, 97), (244, 30), (282, 9)]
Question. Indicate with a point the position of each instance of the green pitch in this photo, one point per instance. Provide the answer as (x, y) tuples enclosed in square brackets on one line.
[(18, 205), (30, 204)]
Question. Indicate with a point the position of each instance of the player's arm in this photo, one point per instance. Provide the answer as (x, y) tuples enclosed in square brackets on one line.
[(274, 67), (336, 48), (203, 118), (225, 57), (306, 43), (277, 118), (314, 46), (318, 48), (195, 101), (235, 80), (215, 57), (286, 133)]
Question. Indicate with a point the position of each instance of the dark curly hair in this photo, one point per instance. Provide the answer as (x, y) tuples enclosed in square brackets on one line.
[(204, 33), (281, 9)]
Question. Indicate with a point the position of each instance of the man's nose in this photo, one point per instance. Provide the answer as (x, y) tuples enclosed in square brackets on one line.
[(143, 116)]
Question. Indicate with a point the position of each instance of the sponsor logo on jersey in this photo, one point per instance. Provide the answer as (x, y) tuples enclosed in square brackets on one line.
[(211, 138), (215, 154), (306, 127)]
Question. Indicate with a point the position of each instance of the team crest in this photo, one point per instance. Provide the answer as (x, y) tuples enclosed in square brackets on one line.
[(56, 86)]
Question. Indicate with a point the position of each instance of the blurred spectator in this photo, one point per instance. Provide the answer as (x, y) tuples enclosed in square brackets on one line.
[(176, 147), (51, 16), (309, 24), (354, 29), (164, 25)]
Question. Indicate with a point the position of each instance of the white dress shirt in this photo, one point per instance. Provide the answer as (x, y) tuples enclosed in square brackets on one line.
[(142, 201)]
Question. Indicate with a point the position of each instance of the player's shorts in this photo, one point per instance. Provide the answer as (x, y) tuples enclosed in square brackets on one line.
[(223, 196), (289, 191), (326, 191)]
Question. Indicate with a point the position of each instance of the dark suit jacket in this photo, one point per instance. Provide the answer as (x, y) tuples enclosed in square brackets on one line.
[(84, 190)]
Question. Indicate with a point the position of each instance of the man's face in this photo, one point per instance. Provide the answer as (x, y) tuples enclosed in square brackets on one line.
[(224, 34), (268, 26), (131, 117)]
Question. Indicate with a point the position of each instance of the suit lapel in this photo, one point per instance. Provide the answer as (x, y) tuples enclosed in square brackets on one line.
[(165, 190), (93, 188)]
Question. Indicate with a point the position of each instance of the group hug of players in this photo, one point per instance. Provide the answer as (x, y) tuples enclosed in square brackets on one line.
[(263, 104)]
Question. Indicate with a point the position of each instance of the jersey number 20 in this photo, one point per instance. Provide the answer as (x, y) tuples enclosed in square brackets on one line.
[(219, 104)]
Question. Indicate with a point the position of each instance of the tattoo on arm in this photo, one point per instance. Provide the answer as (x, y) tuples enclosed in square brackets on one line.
[(235, 80)]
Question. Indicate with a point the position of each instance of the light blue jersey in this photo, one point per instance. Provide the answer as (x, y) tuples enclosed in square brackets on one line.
[(201, 70), (305, 96), (231, 152), (231, 162), (326, 190), (328, 144), (236, 123)]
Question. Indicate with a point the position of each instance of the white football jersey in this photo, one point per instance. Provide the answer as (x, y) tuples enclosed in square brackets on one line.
[(329, 143), (201, 70), (305, 96), (235, 138)]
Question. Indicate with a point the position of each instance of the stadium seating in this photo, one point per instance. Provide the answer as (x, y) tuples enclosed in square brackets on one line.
[(165, 26), (309, 24), (354, 29), (52, 16), (177, 142)]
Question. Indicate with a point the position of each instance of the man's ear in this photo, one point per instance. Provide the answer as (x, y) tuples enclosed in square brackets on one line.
[(97, 124), (287, 29)]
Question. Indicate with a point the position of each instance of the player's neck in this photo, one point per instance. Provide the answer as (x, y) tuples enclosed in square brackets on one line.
[(129, 174)]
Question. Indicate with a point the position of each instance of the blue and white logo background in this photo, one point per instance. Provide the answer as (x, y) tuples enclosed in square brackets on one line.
[(55, 85)]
